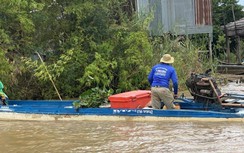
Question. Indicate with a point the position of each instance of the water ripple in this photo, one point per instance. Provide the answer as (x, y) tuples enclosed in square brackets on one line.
[(117, 137)]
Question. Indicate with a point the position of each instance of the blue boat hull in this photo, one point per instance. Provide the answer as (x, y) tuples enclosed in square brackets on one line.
[(65, 109)]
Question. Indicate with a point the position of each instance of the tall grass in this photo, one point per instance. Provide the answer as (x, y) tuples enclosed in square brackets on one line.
[(187, 58)]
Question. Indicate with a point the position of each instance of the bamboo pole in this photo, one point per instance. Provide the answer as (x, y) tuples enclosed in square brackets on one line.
[(50, 77), (215, 92), (214, 89)]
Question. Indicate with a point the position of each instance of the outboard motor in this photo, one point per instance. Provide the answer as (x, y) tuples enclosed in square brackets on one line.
[(203, 87)]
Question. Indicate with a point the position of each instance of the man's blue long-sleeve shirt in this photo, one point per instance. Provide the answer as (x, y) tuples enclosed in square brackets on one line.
[(161, 74)]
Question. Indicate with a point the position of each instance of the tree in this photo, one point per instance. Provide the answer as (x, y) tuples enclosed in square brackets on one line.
[(222, 14)]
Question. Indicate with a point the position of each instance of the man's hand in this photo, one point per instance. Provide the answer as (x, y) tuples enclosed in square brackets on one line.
[(175, 96)]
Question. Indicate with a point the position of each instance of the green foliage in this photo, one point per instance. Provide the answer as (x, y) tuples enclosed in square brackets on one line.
[(5, 67), (135, 62), (219, 48), (61, 71), (87, 47), (5, 71), (224, 11), (182, 49), (93, 97), (232, 57), (98, 73)]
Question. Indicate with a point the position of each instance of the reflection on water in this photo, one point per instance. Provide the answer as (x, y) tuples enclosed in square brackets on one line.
[(117, 137)]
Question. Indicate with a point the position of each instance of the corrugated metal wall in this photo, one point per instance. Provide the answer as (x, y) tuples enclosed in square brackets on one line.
[(182, 11), (178, 16), (157, 24), (203, 13)]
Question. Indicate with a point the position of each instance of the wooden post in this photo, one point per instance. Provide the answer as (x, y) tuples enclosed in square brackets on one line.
[(238, 54), (210, 48), (227, 48)]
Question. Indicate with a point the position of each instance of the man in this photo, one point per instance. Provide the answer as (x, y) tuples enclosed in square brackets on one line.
[(159, 79), (3, 96)]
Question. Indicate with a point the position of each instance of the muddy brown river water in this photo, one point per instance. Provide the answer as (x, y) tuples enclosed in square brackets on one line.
[(121, 137)]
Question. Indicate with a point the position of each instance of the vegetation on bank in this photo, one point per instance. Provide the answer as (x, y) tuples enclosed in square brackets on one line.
[(90, 48)]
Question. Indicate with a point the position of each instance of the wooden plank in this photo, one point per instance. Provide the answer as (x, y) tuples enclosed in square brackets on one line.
[(232, 105), (230, 69)]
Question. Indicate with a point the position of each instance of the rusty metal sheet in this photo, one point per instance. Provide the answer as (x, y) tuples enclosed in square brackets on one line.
[(203, 13), (178, 16)]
